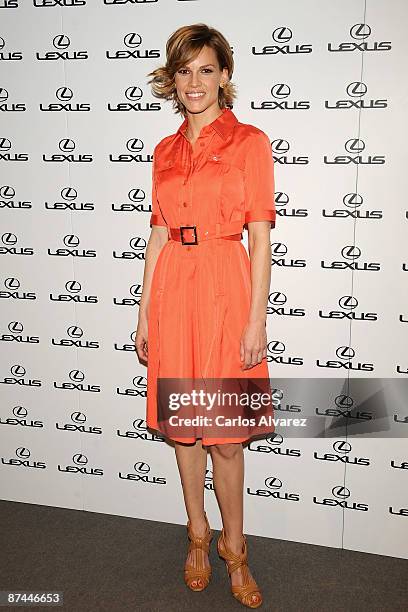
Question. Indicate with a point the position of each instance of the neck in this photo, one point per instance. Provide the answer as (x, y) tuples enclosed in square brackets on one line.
[(196, 121)]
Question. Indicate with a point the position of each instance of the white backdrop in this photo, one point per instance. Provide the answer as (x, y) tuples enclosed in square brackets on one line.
[(325, 80)]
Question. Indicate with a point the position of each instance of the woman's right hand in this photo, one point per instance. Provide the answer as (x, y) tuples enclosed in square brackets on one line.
[(141, 340)]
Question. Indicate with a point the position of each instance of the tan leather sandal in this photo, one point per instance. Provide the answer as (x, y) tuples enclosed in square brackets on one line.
[(197, 577), (248, 593)]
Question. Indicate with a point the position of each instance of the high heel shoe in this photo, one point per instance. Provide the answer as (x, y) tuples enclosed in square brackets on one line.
[(198, 573), (246, 592)]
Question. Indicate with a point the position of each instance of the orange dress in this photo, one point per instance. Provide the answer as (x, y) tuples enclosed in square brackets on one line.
[(200, 293)]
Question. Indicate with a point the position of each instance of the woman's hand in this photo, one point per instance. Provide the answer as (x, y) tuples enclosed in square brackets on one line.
[(253, 344), (141, 340)]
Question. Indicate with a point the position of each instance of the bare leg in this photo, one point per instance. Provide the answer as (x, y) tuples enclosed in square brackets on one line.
[(192, 462), (228, 476)]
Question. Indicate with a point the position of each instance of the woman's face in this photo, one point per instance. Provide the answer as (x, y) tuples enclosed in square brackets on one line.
[(202, 76)]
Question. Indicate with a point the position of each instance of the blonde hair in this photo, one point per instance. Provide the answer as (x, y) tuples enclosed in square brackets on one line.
[(182, 47)]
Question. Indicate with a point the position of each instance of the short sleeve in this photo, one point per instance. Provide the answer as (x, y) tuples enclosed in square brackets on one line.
[(259, 181), (156, 217)]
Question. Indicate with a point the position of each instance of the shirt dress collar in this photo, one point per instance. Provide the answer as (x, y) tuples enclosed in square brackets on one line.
[(223, 125)]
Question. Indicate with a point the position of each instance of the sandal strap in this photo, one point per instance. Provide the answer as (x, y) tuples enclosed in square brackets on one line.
[(199, 543), (234, 566), (236, 559), (202, 542), (194, 572)]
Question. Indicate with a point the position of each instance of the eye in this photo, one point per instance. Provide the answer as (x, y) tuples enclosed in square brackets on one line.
[(184, 70)]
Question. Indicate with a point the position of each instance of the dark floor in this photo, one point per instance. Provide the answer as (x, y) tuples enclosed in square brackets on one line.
[(112, 563)]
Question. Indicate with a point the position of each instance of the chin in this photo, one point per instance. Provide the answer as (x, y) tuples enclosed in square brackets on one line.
[(194, 107)]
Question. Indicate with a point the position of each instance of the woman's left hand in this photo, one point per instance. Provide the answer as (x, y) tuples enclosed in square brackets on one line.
[(253, 344)]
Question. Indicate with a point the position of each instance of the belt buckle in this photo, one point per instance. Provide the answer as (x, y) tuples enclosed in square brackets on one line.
[(193, 227)]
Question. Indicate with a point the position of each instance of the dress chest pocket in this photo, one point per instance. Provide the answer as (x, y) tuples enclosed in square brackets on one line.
[(167, 180), (229, 176), (163, 168), (233, 185)]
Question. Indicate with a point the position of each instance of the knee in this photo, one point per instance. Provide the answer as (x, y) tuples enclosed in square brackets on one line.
[(226, 451)]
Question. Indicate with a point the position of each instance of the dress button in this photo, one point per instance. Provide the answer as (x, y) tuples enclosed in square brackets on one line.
[(185, 204)]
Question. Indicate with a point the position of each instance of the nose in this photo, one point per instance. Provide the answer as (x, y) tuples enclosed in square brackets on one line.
[(194, 80)]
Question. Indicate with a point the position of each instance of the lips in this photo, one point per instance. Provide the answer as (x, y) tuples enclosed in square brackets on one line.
[(195, 94)]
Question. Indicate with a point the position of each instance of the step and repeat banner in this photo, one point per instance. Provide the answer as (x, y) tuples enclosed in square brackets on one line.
[(78, 128)]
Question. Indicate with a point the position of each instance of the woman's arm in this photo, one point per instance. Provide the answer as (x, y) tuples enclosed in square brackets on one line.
[(260, 217), (158, 238), (254, 340), (260, 257)]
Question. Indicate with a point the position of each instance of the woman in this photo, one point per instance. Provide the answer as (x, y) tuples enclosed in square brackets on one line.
[(202, 313)]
